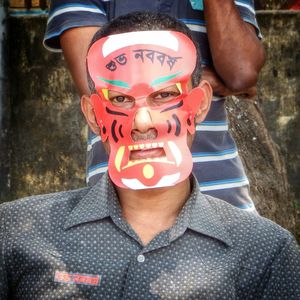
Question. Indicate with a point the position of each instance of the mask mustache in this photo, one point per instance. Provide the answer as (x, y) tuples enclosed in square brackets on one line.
[(151, 134)]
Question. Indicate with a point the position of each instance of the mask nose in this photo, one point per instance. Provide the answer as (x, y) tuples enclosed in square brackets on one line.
[(143, 120), (143, 127)]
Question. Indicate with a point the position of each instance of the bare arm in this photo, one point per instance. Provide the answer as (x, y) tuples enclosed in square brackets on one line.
[(236, 51), (219, 87), (74, 43)]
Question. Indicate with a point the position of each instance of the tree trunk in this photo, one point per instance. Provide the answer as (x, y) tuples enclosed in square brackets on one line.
[(264, 165)]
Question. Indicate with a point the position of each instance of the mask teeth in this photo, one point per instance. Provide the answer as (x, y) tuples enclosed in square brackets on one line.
[(146, 146), (163, 159), (179, 87), (175, 152)]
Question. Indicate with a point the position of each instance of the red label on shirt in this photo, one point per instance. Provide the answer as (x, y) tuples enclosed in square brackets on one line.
[(75, 278)]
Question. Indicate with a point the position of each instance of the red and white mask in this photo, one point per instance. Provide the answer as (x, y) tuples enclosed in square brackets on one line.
[(142, 78)]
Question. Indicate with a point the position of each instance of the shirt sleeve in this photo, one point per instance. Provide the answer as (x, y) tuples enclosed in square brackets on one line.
[(283, 276), (66, 14), (247, 13), (3, 276)]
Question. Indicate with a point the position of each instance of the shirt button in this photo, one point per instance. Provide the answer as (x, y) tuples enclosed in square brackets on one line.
[(141, 258)]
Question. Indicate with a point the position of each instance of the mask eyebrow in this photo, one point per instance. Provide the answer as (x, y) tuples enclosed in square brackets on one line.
[(118, 83), (173, 107), (164, 79)]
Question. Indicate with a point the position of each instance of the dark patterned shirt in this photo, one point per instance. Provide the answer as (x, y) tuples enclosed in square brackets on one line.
[(77, 245)]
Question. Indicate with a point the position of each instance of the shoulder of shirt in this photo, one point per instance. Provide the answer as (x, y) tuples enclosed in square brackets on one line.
[(44, 201), (250, 224)]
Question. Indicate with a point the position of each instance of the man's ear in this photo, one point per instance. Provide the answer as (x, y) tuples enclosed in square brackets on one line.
[(206, 101), (88, 111)]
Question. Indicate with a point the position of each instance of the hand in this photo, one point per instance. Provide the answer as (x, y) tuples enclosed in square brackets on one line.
[(219, 87)]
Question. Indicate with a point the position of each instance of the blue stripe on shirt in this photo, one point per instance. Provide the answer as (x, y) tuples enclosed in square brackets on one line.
[(214, 123), (95, 167), (193, 21), (217, 153)]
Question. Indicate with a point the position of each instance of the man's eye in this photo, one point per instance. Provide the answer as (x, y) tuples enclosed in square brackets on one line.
[(120, 99), (123, 101), (164, 95)]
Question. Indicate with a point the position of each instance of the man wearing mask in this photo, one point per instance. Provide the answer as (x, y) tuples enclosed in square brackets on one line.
[(232, 57)]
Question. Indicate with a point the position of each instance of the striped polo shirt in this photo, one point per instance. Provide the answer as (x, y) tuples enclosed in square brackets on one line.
[(217, 164)]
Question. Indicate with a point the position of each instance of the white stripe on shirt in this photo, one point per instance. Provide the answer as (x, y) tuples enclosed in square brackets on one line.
[(224, 186), (212, 127), (197, 28), (217, 98), (92, 142), (248, 6), (207, 158), (251, 208), (74, 8), (98, 170)]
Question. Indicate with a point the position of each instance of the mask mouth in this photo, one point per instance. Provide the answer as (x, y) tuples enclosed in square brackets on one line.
[(146, 151), (154, 152)]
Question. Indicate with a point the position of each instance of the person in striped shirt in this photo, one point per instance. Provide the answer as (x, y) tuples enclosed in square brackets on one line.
[(232, 56)]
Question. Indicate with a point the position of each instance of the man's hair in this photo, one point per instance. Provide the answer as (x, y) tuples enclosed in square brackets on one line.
[(147, 21)]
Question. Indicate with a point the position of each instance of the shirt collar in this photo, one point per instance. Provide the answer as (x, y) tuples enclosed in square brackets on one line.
[(95, 205), (198, 214)]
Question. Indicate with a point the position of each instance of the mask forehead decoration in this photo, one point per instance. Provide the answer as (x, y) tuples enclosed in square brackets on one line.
[(138, 65)]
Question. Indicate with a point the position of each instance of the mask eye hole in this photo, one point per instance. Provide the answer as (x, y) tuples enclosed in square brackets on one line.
[(164, 95), (120, 100)]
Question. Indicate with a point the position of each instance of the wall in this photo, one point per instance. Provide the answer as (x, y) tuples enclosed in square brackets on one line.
[(47, 133)]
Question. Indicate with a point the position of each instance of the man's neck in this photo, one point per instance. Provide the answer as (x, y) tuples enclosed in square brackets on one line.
[(153, 210)]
